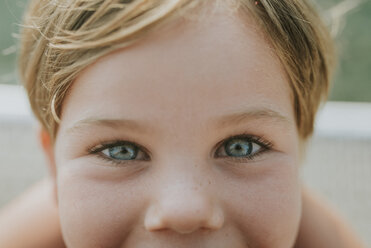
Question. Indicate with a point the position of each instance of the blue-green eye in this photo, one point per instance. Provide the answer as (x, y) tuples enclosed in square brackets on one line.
[(243, 147), (238, 147), (121, 151)]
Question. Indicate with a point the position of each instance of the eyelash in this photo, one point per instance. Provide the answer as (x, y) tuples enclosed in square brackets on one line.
[(96, 150), (265, 145)]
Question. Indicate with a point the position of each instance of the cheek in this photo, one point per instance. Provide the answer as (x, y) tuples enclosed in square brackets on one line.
[(267, 207), (95, 212)]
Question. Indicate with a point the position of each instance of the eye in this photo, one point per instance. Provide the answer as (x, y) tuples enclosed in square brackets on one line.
[(120, 151), (243, 147)]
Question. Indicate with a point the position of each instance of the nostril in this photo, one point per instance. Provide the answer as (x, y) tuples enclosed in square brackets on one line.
[(184, 220)]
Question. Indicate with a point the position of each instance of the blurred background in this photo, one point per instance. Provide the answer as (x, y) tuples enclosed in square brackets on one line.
[(352, 26), (338, 164)]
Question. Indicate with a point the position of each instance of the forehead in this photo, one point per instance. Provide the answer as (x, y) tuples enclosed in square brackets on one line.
[(191, 68)]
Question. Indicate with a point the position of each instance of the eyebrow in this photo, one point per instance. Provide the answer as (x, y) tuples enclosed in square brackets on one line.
[(111, 123), (246, 115), (221, 122)]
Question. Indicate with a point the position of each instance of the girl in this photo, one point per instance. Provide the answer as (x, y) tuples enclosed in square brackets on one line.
[(179, 123)]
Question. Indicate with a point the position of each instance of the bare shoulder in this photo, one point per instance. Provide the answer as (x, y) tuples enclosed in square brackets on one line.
[(32, 216), (322, 227)]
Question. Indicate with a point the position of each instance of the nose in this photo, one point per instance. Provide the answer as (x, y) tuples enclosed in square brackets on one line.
[(184, 211)]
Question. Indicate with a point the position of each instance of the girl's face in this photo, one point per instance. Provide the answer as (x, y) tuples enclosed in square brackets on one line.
[(186, 139)]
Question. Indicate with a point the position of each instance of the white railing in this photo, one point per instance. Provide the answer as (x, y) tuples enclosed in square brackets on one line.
[(13, 103), (338, 163)]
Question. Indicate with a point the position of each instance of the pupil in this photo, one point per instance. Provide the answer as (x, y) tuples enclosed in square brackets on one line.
[(238, 148), (123, 152)]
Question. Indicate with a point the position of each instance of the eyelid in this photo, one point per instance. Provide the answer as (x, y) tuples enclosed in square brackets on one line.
[(259, 140), (97, 149), (109, 144), (97, 152)]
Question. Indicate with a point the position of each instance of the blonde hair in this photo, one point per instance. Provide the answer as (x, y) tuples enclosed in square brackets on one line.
[(61, 38)]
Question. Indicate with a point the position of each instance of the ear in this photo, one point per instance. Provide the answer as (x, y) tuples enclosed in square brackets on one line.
[(48, 149)]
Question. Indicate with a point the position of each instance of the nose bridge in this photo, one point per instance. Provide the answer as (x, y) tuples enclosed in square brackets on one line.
[(184, 203)]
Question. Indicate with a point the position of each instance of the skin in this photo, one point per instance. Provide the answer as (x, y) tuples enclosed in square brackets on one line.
[(178, 98), (34, 215), (183, 195)]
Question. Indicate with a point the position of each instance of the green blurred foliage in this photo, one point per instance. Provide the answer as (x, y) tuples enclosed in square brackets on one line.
[(10, 16), (352, 81)]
